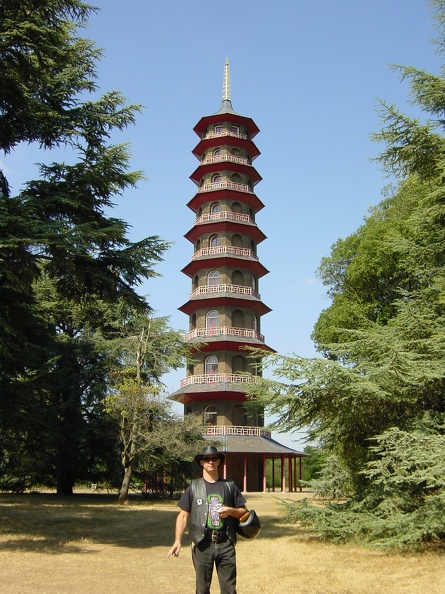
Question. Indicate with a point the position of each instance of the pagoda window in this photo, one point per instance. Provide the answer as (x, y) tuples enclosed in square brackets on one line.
[(238, 319), (211, 365), (236, 207), (253, 247), (212, 319), (235, 152), (256, 324), (237, 240), (195, 282), (215, 208), (238, 364), (214, 241), (218, 129), (193, 322), (234, 129), (217, 178), (197, 245), (236, 178), (239, 416), (213, 278), (217, 153), (237, 278), (254, 283), (210, 415)]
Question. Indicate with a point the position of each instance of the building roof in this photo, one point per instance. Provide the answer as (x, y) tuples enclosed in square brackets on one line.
[(237, 444)]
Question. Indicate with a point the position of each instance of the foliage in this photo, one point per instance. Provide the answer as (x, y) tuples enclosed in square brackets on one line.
[(151, 437), (57, 231), (334, 480), (312, 463), (382, 339), (404, 504)]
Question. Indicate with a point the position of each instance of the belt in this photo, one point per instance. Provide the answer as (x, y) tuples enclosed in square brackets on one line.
[(216, 535)]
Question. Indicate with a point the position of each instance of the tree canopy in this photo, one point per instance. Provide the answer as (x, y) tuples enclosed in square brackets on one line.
[(380, 384), (66, 263)]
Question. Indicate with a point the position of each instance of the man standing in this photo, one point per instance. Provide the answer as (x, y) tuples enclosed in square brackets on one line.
[(213, 506)]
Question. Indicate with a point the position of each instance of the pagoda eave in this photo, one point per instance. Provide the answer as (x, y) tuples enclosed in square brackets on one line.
[(191, 394), (231, 166), (225, 300), (217, 226), (215, 261), (249, 198), (231, 343), (234, 141), (221, 118)]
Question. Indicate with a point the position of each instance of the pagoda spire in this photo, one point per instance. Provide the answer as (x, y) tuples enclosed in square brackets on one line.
[(226, 95), (226, 105)]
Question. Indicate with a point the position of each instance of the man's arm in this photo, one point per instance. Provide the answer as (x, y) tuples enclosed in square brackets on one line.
[(181, 523), (236, 512)]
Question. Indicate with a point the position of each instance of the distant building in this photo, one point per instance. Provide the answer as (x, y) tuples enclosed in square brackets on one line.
[(225, 306)]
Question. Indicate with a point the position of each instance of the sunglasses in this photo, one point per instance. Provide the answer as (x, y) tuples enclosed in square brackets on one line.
[(212, 459)]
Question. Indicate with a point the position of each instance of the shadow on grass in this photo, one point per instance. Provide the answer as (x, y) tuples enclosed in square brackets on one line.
[(50, 524), (46, 523), (277, 527)]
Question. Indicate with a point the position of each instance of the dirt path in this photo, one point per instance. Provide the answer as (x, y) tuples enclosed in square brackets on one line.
[(92, 545)]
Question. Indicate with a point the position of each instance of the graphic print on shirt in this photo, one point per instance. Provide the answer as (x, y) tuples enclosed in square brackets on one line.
[(214, 522)]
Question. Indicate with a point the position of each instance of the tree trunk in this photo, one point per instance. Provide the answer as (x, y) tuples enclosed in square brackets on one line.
[(123, 494)]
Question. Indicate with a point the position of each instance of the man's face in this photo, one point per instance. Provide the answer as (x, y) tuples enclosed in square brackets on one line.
[(210, 462)]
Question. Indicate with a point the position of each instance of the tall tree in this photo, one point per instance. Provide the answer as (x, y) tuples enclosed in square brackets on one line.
[(58, 227), (151, 436), (383, 337)]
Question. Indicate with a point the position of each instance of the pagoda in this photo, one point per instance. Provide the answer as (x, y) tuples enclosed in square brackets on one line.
[(225, 307)]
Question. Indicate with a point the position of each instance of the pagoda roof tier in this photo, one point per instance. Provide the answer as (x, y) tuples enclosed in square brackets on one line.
[(228, 343), (225, 163), (204, 392), (217, 195), (216, 140), (218, 260), (225, 116), (253, 444), (219, 224), (227, 300)]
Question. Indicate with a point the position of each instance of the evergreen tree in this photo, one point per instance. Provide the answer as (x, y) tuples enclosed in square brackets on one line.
[(58, 227), (383, 376)]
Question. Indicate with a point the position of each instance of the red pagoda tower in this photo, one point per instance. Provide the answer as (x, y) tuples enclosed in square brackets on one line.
[(225, 306)]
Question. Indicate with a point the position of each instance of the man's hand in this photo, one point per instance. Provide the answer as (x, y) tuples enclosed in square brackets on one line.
[(174, 551)]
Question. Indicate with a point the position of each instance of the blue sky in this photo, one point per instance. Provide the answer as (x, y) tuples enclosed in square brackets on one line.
[(309, 73)]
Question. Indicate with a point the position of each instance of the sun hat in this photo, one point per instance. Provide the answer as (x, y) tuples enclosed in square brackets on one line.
[(209, 451)]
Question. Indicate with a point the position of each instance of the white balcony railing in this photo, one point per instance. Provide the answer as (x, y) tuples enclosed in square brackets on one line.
[(225, 133), (225, 215), (224, 159), (223, 331), (244, 430), (225, 185), (217, 378), (236, 289), (222, 250)]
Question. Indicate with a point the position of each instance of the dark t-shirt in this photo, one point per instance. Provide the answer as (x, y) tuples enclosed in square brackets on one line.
[(215, 499)]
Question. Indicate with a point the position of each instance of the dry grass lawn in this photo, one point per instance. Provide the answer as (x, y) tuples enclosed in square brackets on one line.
[(89, 544)]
